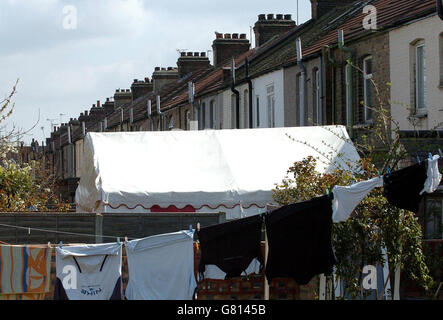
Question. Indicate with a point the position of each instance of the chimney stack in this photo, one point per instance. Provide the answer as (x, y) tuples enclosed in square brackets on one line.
[(122, 97), (161, 77), (268, 26), (320, 7), (226, 46), (140, 88), (188, 62)]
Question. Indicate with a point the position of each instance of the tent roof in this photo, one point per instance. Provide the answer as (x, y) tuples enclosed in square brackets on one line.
[(211, 168)]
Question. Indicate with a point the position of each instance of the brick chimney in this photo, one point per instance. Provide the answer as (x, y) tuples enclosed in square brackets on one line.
[(269, 26), (162, 76), (141, 88), (108, 106), (225, 46), (121, 97), (320, 7), (190, 62)]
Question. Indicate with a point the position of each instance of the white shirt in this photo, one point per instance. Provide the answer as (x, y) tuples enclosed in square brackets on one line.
[(348, 197), (89, 282), (434, 177), (161, 267)]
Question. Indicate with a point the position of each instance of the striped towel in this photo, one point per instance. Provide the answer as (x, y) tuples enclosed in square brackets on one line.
[(24, 272)]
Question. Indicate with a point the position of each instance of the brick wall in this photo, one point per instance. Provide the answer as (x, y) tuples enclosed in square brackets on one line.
[(245, 288)]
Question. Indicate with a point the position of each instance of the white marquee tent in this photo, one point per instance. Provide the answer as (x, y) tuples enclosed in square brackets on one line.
[(233, 171)]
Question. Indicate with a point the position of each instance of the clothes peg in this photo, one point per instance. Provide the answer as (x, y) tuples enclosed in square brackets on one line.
[(198, 226), (126, 239), (430, 156), (29, 230), (61, 244), (190, 228), (118, 240), (49, 244)]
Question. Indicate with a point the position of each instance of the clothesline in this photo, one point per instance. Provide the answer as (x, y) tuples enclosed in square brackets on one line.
[(60, 232)]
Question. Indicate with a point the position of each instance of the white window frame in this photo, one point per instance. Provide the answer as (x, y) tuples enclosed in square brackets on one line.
[(348, 95), (367, 78), (316, 96), (270, 104), (419, 109)]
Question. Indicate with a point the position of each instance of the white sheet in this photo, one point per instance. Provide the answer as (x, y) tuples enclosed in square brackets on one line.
[(161, 267)]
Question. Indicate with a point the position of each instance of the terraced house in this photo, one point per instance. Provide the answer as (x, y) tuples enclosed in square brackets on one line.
[(345, 65)]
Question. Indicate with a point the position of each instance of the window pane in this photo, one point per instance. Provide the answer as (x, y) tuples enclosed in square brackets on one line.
[(421, 77), (433, 219)]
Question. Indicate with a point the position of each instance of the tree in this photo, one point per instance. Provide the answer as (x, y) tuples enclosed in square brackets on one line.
[(374, 224), (23, 187)]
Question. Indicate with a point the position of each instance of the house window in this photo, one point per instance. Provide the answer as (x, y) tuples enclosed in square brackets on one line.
[(203, 116), (270, 105), (233, 112), (258, 111), (299, 96), (420, 77), (212, 114), (188, 120), (433, 223), (348, 94), (171, 122), (368, 89), (316, 111), (441, 60), (245, 109)]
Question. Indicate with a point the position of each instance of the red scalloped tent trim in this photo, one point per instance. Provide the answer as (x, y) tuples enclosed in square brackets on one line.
[(195, 209)]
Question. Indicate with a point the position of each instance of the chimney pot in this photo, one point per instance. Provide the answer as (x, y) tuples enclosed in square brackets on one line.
[(157, 68), (189, 54), (135, 80), (98, 103), (202, 54), (169, 68), (196, 54), (107, 99), (243, 36), (279, 17), (235, 36), (127, 90), (163, 69), (227, 36), (271, 16), (182, 54), (288, 17), (93, 105), (261, 17), (218, 35), (147, 80)]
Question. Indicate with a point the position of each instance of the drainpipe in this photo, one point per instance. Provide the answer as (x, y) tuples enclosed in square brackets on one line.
[(161, 114), (322, 110), (149, 105), (191, 96), (237, 95), (333, 64), (249, 81), (302, 84), (440, 8), (341, 46), (121, 119)]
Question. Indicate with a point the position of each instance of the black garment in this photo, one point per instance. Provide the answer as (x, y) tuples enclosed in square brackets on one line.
[(231, 246), (60, 293), (402, 188), (299, 239)]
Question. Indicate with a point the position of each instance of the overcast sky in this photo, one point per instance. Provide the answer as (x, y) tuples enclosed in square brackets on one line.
[(64, 71)]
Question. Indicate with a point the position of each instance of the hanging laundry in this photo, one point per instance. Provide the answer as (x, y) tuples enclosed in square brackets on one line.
[(402, 188), (347, 198), (25, 272), (231, 249), (89, 272), (433, 176), (299, 239), (161, 267)]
